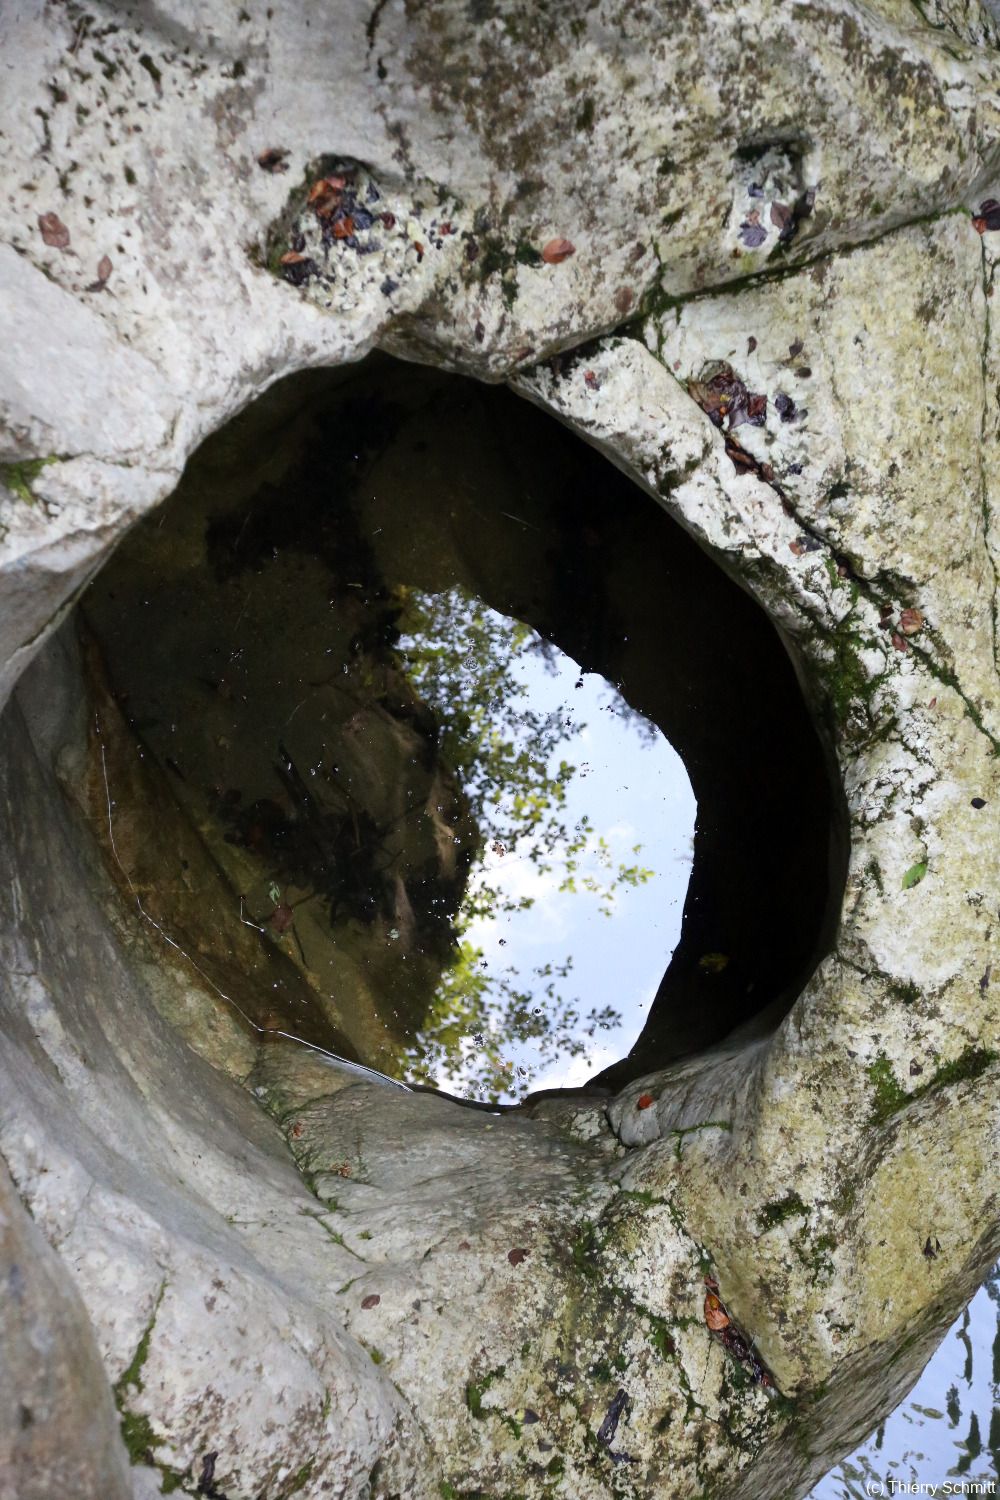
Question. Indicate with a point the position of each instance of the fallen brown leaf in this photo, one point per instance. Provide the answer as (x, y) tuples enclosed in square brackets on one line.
[(323, 187), (557, 250), (988, 216), (282, 917), (715, 1314), (54, 231), (297, 267), (324, 196), (739, 456)]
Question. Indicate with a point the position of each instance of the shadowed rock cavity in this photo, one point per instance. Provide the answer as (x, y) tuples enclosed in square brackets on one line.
[(246, 634)]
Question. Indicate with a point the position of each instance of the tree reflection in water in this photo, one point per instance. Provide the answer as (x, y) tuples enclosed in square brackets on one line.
[(490, 1030)]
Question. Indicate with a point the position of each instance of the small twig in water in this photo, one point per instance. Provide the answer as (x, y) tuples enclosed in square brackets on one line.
[(243, 901), (521, 522)]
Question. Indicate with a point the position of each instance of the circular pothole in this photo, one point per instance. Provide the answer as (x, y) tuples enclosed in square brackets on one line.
[(402, 704)]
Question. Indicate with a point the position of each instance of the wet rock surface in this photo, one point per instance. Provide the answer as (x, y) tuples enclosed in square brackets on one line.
[(831, 168)]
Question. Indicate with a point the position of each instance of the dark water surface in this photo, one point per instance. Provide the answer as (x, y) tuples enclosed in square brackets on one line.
[(438, 688)]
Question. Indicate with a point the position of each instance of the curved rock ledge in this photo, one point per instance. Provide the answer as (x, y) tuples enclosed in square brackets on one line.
[(302, 1283)]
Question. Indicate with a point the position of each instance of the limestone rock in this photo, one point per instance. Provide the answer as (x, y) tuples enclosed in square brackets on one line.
[(58, 1433), (783, 191)]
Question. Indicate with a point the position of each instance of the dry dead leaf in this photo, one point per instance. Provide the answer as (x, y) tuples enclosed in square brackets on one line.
[(297, 268), (557, 250), (325, 195), (323, 187), (988, 216), (54, 231), (282, 917), (715, 1314)]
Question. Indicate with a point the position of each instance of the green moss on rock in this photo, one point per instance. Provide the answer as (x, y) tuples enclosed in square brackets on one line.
[(476, 1389), (848, 683), (788, 1207), (18, 478), (890, 1096), (889, 1092)]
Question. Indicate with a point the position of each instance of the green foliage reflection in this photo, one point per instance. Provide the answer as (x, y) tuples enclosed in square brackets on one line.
[(474, 668)]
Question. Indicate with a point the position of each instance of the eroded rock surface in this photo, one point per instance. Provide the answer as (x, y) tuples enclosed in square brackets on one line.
[(354, 1290)]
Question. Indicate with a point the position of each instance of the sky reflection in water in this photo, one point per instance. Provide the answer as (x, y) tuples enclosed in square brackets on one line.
[(947, 1430), (602, 944)]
